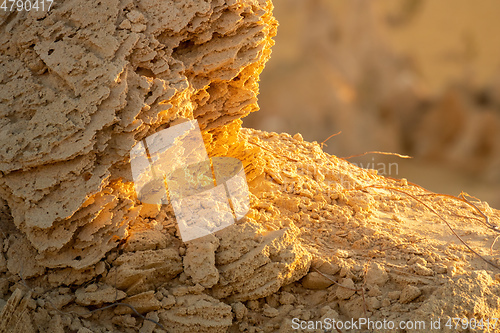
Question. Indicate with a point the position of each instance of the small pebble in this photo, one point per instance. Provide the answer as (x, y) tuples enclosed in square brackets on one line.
[(298, 137), (408, 294)]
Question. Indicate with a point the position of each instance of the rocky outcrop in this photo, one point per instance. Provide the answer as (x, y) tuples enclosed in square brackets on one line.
[(83, 82)]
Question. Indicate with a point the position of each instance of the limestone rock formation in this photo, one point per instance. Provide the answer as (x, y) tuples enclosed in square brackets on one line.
[(83, 82)]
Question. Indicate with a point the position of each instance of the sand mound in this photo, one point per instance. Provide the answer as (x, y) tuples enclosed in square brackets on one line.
[(315, 220), (323, 238)]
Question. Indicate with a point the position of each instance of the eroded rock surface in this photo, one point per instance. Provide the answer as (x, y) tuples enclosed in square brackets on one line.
[(86, 81), (82, 83)]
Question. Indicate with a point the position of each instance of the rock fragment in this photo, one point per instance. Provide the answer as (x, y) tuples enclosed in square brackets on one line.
[(269, 311), (376, 275), (197, 313), (259, 263), (315, 280), (143, 303), (239, 310), (422, 270), (348, 291), (140, 271), (98, 295), (14, 315), (199, 261), (409, 293)]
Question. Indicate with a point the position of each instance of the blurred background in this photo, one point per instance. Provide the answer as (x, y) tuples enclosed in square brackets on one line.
[(416, 77)]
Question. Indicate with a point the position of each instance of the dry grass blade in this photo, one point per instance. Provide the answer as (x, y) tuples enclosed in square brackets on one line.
[(463, 199), (377, 152), (486, 218), (328, 138), (493, 244)]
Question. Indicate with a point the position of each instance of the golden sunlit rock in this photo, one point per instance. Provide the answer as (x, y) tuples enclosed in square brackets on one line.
[(86, 246)]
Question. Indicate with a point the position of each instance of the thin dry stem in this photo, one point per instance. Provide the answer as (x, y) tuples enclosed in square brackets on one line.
[(439, 215), (328, 138), (377, 152)]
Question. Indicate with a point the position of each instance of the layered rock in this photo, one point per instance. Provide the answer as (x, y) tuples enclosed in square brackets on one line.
[(83, 82)]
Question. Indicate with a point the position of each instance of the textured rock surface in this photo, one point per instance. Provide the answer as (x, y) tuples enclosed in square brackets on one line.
[(198, 313), (75, 239), (321, 219), (199, 261), (14, 316), (85, 81), (254, 263), (96, 295)]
